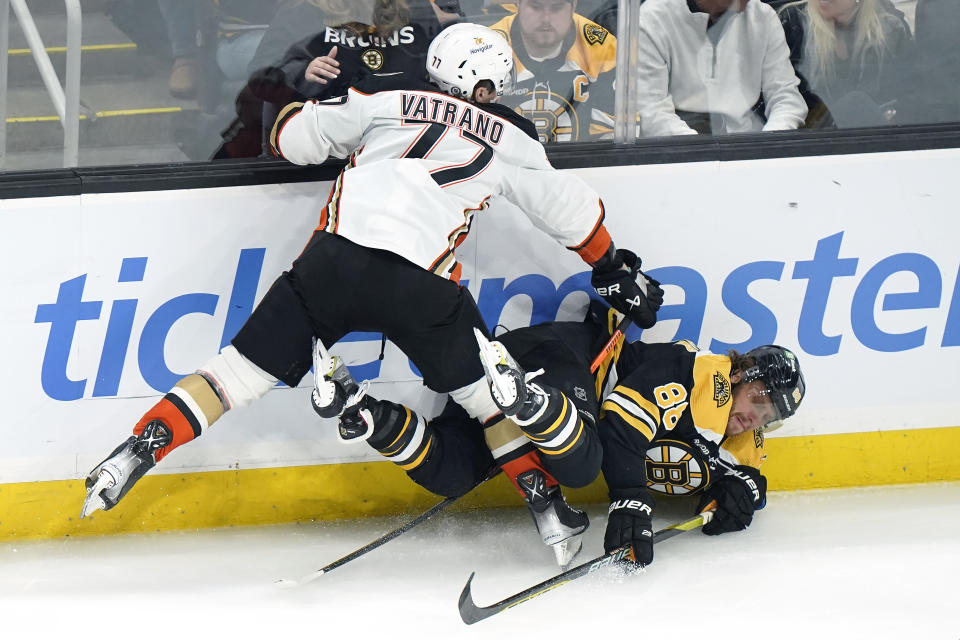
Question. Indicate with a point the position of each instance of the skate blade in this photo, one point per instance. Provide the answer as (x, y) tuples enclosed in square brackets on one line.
[(94, 501), (567, 550), (490, 357), (323, 362)]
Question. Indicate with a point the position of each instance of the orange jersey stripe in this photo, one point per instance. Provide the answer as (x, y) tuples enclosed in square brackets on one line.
[(597, 243)]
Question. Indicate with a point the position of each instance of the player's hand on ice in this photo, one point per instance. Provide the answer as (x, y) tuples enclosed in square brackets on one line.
[(738, 494), (322, 69), (619, 280), (630, 521), (114, 477)]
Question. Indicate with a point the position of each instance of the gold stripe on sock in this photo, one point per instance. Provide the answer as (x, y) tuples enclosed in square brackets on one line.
[(501, 433), (203, 394)]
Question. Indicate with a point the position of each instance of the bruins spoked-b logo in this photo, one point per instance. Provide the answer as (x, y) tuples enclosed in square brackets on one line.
[(674, 468), (594, 33), (373, 58), (554, 117), (721, 389)]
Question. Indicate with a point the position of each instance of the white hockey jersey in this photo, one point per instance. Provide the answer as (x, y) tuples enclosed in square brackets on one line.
[(422, 164)]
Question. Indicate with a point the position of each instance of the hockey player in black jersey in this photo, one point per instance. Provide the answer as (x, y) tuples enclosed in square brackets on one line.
[(673, 421), (683, 421), (422, 163)]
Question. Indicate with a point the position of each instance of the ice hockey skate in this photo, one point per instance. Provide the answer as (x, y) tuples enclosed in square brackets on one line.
[(337, 395), (111, 479), (560, 526), (509, 383)]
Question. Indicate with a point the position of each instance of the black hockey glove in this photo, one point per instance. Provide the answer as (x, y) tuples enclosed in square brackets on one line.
[(630, 522), (738, 493), (618, 280)]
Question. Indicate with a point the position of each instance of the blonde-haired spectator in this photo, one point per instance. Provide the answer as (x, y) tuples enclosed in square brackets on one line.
[(854, 58)]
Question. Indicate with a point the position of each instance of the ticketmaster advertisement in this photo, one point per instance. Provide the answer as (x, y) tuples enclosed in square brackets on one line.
[(850, 261)]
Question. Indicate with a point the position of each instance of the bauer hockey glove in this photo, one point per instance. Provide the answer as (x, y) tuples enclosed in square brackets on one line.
[(738, 493), (618, 280), (630, 521)]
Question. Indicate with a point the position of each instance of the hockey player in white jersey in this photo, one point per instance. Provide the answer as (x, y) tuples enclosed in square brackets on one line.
[(422, 163)]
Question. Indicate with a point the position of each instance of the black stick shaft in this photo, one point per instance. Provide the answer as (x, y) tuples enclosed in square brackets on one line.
[(387, 537)]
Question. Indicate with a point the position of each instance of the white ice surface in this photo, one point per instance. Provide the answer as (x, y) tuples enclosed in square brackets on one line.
[(866, 563)]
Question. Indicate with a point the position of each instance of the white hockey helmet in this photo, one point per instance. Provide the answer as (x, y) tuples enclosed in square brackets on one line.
[(464, 54)]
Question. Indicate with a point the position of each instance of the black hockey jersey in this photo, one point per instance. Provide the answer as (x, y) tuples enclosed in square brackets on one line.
[(663, 424), (569, 98)]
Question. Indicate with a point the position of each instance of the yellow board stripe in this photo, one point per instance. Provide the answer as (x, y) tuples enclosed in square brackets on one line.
[(100, 114), (87, 48), (365, 489)]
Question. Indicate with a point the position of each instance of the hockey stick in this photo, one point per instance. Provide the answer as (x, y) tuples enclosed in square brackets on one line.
[(471, 613), (387, 537), (608, 348)]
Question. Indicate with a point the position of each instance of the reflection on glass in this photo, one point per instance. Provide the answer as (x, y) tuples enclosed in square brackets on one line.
[(938, 61), (178, 80)]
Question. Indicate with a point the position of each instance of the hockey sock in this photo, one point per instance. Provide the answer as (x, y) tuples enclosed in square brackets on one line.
[(399, 434), (512, 450), (557, 429), (189, 408), (523, 464)]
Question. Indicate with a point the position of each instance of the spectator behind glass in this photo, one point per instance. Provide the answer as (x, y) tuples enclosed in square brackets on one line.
[(854, 58), (564, 70), (938, 60), (180, 19), (704, 65), (316, 49)]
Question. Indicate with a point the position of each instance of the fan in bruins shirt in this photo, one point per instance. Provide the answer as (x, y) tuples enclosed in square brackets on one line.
[(564, 68), (317, 49)]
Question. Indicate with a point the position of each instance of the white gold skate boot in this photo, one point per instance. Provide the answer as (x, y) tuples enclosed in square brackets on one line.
[(113, 478), (560, 526), (509, 383), (337, 395)]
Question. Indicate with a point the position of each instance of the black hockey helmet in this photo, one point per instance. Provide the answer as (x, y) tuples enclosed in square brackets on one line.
[(778, 368)]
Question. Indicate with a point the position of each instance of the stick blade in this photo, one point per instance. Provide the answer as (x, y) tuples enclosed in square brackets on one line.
[(290, 583), (469, 611)]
